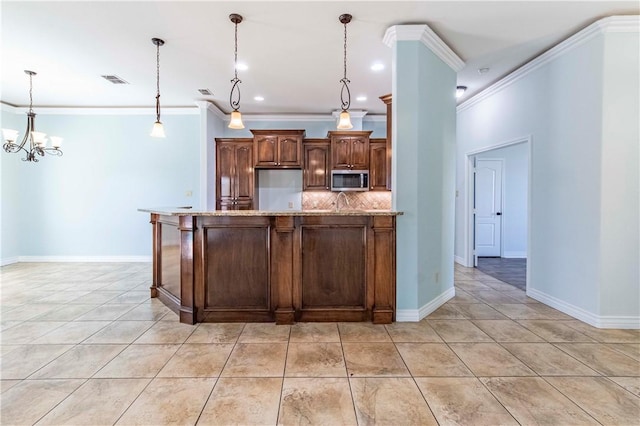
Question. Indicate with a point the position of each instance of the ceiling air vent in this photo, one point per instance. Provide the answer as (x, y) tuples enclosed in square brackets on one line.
[(114, 79), (205, 92)]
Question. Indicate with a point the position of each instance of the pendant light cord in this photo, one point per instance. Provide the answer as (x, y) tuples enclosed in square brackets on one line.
[(235, 89), (158, 82), (345, 81)]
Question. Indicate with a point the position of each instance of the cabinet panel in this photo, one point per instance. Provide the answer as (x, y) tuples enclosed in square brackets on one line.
[(278, 149), (225, 164), (339, 280), (350, 150), (359, 153), (266, 150), (289, 151), (316, 167), (341, 153), (244, 173), (235, 175), (378, 166)]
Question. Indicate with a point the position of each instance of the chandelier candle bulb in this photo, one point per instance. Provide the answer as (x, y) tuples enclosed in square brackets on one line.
[(56, 141)]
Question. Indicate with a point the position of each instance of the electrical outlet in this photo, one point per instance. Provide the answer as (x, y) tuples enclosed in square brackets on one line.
[(188, 193), (290, 204)]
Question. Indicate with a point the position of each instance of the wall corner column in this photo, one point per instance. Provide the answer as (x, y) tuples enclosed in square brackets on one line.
[(423, 166)]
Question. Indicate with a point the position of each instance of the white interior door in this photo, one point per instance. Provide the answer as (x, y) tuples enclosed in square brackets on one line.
[(488, 207)]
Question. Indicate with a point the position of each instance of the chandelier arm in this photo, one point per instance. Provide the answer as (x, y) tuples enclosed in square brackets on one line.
[(345, 88)]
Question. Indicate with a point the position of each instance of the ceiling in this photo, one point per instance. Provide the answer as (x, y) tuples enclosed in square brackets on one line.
[(293, 49)]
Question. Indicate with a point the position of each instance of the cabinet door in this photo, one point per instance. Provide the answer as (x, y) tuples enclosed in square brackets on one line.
[(341, 153), (289, 151), (226, 170), (378, 166), (244, 172), (359, 153), (316, 167), (266, 148), (225, 204)]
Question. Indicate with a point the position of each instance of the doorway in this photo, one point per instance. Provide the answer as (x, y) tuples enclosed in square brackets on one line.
[(498, 201)]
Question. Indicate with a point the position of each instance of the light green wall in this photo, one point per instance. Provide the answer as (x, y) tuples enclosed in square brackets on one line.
[(85, 202), (423, 164)]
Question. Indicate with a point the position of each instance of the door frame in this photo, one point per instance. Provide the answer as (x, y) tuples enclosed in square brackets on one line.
[(469, 233)]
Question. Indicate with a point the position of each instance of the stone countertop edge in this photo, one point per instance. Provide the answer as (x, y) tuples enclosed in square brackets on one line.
[(177, 211)]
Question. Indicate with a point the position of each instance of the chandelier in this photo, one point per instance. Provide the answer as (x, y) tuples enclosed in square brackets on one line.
[(344, 122), (234, 96), (37, 140), (158, 128)]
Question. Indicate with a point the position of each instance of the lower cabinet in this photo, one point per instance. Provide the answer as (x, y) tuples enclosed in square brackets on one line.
[(225, 268)]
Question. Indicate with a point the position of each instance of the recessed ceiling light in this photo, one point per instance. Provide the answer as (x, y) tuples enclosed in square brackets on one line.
[(242, 66), (361, 98), (378, 66), (258, 98), (483, 70)]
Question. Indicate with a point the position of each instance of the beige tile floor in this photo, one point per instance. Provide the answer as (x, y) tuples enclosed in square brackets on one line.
[(84, 344)]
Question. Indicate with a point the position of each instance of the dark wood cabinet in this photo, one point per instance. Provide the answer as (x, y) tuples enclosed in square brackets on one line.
[(235, 175), (387, 99), (378, 172), (278, 149), (317, 163), (349, 150)]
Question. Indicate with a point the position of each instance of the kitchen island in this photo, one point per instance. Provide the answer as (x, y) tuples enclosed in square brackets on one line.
[(261, 266)]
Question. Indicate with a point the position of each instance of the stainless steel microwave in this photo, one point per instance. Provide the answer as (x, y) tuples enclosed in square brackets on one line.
[(350, 180)]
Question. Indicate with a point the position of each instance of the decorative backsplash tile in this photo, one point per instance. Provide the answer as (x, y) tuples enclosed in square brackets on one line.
[(370, 200)]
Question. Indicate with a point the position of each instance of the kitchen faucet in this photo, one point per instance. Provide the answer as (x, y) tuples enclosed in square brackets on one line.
[(346, 200)]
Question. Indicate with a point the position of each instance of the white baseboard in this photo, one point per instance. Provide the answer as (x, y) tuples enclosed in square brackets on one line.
[(515, 254), (599, 321), (459, 260), (84, 259), (415, 315), (9, 260)]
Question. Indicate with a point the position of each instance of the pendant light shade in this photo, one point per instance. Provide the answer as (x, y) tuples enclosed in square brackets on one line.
[(344, 123), (158, 128), (234, 96)]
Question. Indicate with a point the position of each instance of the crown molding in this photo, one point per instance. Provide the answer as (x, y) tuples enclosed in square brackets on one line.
[(426, 36), (100, 111), (611, 24), (210, 106)]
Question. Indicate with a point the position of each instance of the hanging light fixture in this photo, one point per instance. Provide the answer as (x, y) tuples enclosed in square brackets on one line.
[(344, 123), (158, 128), (37, 140), (234, 96)]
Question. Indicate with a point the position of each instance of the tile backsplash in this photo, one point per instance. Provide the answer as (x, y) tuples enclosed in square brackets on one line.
[(369, 200)]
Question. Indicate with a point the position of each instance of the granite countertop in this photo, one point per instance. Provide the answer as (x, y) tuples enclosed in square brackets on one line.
[(183, 211)]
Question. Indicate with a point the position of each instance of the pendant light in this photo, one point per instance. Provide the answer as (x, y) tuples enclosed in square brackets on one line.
[(344, 123), (234, 96), (158, 128), (37, 140)]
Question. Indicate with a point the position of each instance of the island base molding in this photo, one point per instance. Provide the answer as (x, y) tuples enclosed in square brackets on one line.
[(281, 269)]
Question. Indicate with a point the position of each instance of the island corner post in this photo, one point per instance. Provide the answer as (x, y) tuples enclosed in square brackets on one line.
[(256, 266)]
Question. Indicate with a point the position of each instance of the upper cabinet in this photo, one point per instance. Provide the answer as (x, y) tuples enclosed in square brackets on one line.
[(278, 149), (349, 150), (378, 172), (235, 176), (317, 163), (387, 99)]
